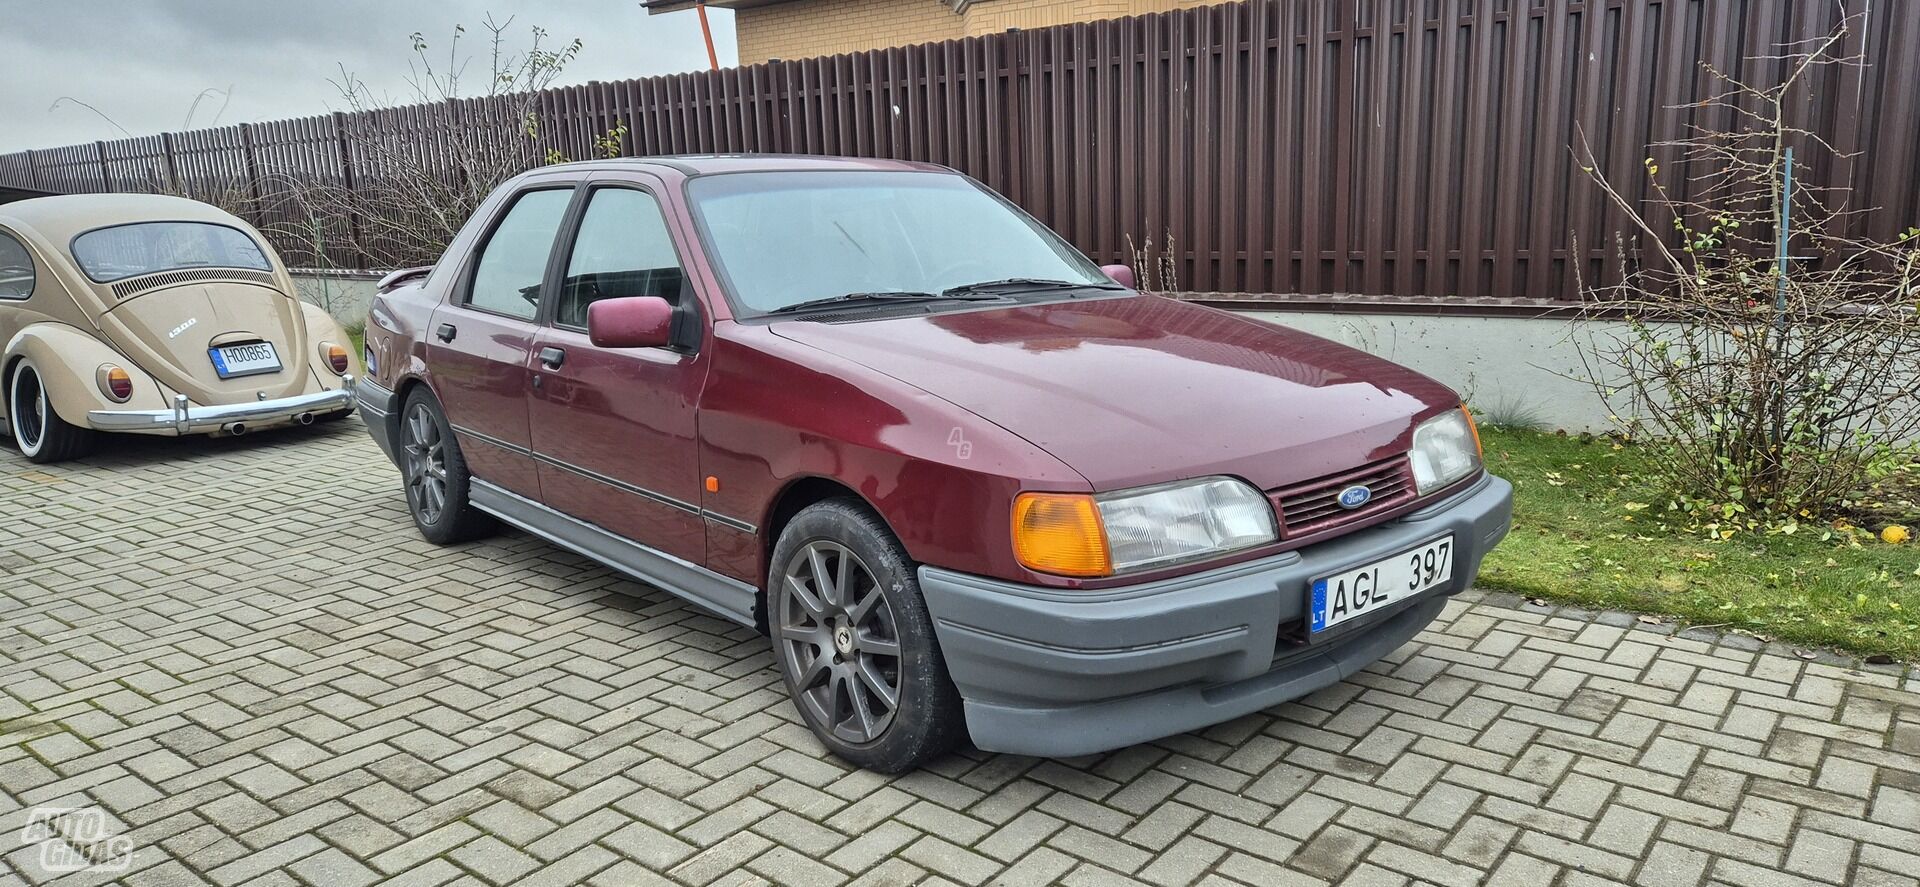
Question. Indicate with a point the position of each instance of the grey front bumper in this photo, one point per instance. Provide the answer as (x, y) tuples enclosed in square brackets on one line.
[(185, 418), (1059, 673)]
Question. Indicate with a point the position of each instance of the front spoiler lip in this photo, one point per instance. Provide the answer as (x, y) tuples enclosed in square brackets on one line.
[(187, 419)]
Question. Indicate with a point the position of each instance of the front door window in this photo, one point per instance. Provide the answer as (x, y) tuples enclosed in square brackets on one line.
[(623, 249)]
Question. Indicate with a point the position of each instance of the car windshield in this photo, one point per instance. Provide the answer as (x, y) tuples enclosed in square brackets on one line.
[(109, 254), (783, 238)]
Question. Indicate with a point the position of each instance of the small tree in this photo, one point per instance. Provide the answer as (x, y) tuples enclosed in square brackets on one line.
[(1770, 356), (423, 161)]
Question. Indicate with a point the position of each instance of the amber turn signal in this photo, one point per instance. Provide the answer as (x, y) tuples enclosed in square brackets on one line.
[(335, 356), (1060, 533), (114, 383), (1475, 431)]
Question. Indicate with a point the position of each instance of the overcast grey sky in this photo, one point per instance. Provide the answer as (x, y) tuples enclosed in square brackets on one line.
[(142, 62)]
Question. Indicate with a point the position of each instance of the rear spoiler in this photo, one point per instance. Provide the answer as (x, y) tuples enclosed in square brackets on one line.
[(403, 276)]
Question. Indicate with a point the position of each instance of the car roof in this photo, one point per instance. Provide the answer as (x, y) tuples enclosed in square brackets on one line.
[(709, 164), (60, 217)]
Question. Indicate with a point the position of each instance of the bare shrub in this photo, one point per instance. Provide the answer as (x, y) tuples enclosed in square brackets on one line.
[(423, 161), (1155, 270), (1770, 389)]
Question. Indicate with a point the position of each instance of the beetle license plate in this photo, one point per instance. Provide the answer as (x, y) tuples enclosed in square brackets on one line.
[(1378, 585), (244, 360)]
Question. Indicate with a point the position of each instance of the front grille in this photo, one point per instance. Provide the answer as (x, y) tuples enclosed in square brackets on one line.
[(1314, 506), (146, 282)]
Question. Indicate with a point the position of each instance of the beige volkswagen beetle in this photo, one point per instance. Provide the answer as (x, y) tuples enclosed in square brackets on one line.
[(148, 314)]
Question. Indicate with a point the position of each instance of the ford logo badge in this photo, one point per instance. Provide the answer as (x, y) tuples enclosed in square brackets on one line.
[(1355, 496)]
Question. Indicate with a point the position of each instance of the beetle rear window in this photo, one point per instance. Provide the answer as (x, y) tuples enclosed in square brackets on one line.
[(109, 254)]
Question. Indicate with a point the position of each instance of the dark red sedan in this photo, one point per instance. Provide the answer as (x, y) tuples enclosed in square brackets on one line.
[(968, 482)]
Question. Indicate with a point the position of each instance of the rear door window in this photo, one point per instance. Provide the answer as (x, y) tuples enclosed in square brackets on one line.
[(16, 268), (623, 249), (513, 263)]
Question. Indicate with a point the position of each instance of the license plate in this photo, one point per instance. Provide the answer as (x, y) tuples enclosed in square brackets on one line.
[(244, 360), (1378, 585)]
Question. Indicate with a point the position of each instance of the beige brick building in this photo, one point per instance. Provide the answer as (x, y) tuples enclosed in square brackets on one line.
[(795, 29)]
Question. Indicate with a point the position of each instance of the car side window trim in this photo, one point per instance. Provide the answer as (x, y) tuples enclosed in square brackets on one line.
[(688, 305), (33, 273), (470, 266)]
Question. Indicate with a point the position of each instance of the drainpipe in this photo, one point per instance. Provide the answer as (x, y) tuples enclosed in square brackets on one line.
[(713, 61), (706, 30)]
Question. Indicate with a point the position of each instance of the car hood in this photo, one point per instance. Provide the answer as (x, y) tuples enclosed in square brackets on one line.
[(1143, 389), (167, 332)]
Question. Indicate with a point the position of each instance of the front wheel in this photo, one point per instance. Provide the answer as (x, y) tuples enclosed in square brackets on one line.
[(39, 432), (855, 643)]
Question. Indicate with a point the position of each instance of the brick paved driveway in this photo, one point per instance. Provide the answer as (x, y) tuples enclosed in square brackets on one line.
[(243, 653)]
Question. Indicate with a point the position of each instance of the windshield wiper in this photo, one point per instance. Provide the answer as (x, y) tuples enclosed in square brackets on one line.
[(1025, 285), (887, 296)]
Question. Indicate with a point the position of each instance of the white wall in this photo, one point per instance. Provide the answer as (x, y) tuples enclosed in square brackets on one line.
[(1504, 366), (345, 294)]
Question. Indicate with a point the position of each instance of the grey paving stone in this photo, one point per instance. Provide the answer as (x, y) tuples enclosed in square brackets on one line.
[(308, 693)]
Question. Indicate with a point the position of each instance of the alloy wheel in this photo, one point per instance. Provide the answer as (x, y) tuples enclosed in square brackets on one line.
[(29, 408), (426, 465), (841, 642)]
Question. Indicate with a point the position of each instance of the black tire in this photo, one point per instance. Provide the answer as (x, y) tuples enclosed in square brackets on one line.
[(428, 454), (38, 432), (926, 720)]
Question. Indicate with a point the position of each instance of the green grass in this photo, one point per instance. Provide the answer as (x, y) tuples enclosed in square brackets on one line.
[(1588, 529)]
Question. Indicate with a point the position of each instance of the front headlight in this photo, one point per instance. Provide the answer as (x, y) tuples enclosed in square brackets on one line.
[(1446, 448), (1075, 534)]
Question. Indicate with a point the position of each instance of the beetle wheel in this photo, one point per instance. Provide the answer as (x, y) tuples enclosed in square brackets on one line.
[(39, 432)]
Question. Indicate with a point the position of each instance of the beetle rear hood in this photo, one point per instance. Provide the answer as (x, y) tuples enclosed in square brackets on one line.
[(1139, 390), (167, 333)]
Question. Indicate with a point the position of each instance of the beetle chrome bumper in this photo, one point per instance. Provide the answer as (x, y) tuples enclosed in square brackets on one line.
[(185, 418)]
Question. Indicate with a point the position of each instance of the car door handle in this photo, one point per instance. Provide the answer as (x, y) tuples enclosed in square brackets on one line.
[(446, 332), (552, 357)]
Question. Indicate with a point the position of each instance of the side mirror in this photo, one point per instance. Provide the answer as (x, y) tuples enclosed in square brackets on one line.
[(632, 322), (1121, 274)]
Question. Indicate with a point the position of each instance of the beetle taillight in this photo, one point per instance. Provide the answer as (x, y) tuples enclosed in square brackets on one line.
[(336, 357), (115, 383)]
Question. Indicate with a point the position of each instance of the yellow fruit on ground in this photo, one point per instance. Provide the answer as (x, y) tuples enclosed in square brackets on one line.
[(1894, 535)]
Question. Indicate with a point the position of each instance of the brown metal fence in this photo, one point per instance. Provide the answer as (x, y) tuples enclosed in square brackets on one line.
[(1386, 148)]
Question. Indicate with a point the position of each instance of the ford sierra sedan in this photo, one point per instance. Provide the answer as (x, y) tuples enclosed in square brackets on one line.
[(970, 484), (150, 314)]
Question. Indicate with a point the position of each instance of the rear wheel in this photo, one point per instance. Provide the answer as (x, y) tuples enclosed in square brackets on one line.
[(437, 481), (855, 643), (39, 432)]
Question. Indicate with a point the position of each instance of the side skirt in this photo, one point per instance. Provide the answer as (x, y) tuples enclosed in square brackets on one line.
[(724, 596)]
